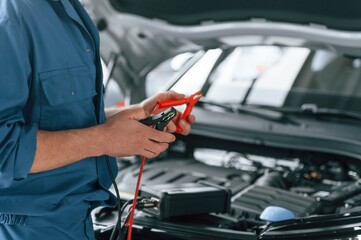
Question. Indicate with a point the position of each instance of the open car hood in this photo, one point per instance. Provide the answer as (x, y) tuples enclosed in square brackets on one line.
[(144, 33), (341, 15), (185, 25)]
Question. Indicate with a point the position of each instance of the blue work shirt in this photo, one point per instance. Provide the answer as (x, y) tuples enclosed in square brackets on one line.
[(50, 79)]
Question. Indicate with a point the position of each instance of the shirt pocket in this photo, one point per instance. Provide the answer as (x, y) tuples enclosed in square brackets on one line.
[(67, 99)]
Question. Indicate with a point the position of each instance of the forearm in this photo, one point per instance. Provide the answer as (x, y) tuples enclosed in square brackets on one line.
[(57, 149)]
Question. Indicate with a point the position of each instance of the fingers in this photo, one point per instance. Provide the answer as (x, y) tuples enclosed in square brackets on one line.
[(169, 95), (171, 127), (150, 103), (148, 154), (157, 143), (191, 119), (153, 149), (161, 137), (126, 136), (186, 125)]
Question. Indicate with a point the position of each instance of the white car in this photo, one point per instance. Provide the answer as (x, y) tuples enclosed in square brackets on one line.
[(278, 126)]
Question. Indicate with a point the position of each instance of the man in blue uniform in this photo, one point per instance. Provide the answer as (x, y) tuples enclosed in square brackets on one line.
[(53, 128)]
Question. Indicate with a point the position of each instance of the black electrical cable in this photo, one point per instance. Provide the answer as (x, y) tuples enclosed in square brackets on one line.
[(125, 205), (123, 228), (119, 207), (114, 61)]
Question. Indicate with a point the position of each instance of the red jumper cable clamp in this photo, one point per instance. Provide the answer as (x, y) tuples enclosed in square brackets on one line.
[(190, 102)]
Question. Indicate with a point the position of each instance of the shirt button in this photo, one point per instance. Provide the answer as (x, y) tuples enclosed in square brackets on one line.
[(72, 93)]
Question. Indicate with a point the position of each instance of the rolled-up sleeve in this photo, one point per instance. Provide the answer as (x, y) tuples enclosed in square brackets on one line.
[(17, 136)]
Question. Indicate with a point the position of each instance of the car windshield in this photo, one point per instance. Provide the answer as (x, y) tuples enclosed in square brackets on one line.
[(276, 76)]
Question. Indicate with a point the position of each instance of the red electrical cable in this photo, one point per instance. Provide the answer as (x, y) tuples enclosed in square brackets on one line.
[(190, 101), (131, 217), (130, 228)]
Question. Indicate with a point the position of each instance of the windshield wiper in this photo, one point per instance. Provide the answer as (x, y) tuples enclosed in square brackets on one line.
[(313, 110), (280, 114), (263, 113)]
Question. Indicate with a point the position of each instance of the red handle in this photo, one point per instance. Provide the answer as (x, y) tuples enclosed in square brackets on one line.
[(184, 116), (190, 101), (171, 103)]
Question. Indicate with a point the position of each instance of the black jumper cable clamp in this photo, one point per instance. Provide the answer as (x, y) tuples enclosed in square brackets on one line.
[(160, 120)]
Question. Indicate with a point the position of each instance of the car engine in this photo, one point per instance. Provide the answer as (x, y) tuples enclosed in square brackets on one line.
[(304, 183)]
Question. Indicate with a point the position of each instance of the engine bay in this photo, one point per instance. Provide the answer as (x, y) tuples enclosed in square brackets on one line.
[(304, 183)]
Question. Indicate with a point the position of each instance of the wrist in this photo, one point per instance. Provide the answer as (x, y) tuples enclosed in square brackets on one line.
[(98, 142), (109, 112)]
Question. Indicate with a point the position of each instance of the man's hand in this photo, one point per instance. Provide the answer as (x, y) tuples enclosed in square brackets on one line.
[(123, 135), (150, 103)]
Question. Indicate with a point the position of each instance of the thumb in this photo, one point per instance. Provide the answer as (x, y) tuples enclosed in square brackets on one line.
[(170, 95)]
